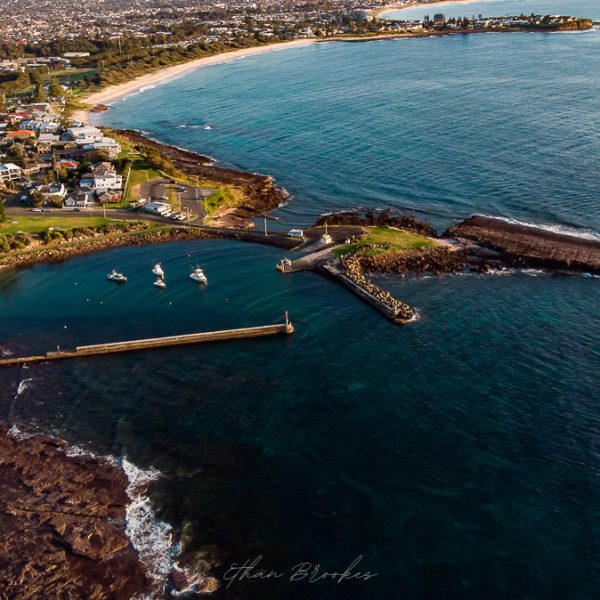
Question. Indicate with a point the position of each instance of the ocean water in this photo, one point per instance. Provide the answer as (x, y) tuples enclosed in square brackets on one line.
[(496, 8), (459, 456)]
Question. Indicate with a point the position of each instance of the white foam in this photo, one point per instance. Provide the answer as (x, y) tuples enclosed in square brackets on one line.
[(585, 234), (151, 537), (17, 434), (23, 386)]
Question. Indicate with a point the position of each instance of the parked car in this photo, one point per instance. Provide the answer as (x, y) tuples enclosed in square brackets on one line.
[(36, 210)]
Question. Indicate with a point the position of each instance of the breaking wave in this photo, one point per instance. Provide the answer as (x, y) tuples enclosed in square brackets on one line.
[(585, 234)]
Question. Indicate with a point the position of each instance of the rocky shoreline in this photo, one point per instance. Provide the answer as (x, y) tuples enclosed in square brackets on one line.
[(493, 242), (260, 194), (65, 520), (64, 251), (62, 520)]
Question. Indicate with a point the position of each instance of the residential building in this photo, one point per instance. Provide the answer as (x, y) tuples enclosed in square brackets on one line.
[(9, 172)]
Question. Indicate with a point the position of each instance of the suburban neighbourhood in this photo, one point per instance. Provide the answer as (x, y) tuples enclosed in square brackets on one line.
[(47, 164)]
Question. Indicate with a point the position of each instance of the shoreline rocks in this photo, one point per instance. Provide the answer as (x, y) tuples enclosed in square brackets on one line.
[(62, 520), (69, 249), (259, 191), (387, 217), (352, 268), (496, 241)]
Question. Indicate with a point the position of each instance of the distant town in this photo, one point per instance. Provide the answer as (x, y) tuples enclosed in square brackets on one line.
[(52, 57)]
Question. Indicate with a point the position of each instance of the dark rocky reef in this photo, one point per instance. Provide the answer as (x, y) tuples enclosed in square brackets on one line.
[(62, 524), (387, 217), (495, 242)]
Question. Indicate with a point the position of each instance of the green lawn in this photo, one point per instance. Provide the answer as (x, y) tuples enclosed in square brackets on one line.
[(37, 224), (390, 238)]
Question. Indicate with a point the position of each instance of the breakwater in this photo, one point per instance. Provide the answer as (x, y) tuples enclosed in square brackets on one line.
[(81, 246), (522, 245), (160, 342)]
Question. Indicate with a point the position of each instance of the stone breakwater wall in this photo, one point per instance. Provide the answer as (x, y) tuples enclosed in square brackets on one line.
[(429, 260), (66, 250), (397, 310)]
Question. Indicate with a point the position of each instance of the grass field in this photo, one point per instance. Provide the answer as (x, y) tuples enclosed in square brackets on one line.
[(389, 239), (37, 224)]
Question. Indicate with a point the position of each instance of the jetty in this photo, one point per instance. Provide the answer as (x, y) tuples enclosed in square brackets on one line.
[(352, 278), (158, 342)]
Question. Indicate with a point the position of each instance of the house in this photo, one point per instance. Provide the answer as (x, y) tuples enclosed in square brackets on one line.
[(82, 197), (104, 178), (20, 134), (9, 172), (109, 197), (53, 192), (108, 145), (85, 135), (46, 141), (69, 165), (70, 151)]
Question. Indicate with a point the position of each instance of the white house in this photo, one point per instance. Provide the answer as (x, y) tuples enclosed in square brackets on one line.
[(54, 191), (108, 145), (85, 135), (82, 197), (102, 179), (9, 172)]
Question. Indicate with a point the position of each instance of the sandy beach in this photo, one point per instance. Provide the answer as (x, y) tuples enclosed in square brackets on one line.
[(116, 92)]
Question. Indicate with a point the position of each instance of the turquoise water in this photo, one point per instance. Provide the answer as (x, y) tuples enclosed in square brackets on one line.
[(459, 455), (444, 127), (497, 8)]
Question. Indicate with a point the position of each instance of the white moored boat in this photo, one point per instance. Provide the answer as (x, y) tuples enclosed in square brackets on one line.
[(198, 275), (160, 283), (158, 270), (116, 276)]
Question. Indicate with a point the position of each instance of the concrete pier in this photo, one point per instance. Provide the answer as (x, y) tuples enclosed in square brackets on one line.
[(160, 342)]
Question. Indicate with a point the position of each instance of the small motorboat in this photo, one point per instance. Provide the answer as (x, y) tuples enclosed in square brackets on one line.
[(116, 277), (158, 270), (207, 127), (160, 283), (198, 275)]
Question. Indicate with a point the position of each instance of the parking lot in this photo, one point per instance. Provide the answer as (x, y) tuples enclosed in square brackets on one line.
[(189, 197)]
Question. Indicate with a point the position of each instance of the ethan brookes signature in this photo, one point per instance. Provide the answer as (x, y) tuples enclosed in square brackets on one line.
[(305, 571)]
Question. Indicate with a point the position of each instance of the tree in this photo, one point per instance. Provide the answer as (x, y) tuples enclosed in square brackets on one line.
[(2, 209), (55, 90), (4, 243), (37, 198), (40, 93)]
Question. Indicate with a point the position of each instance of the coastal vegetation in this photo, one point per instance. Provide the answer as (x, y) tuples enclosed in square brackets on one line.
[(240, 195), (380, 240)]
